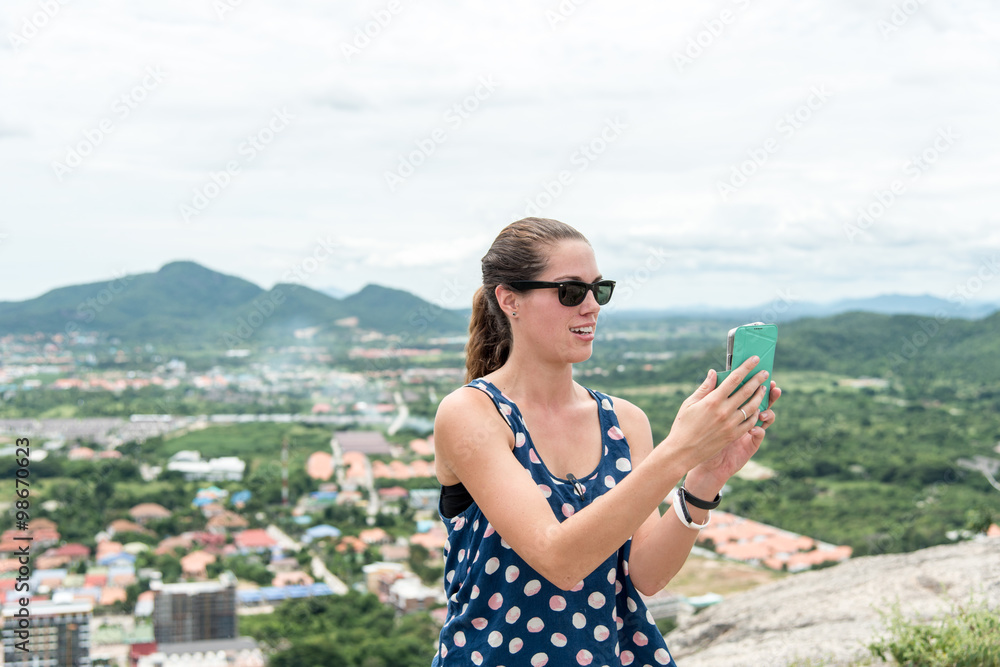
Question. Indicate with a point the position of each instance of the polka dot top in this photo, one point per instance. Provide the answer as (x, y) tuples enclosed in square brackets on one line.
[(502, 613)]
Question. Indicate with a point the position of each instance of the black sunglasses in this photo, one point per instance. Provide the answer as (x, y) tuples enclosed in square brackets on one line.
[(571, 292)]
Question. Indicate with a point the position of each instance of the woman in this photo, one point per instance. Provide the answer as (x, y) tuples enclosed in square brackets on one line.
[(550, 491)]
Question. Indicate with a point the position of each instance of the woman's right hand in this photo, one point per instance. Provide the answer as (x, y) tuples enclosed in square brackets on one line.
[(709, 419)]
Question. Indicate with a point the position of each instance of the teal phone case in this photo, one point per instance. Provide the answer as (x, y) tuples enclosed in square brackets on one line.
[(750, 340)]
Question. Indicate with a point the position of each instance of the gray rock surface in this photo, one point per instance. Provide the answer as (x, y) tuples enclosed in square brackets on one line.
[(830, 615)]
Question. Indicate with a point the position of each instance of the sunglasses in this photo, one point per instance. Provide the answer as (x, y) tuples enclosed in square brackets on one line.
[(571, 292)]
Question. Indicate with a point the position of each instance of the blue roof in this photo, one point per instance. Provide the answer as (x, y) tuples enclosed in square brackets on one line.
[(241, 496), (323, 530)]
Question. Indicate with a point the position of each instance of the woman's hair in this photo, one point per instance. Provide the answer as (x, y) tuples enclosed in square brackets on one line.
[(519, 252)]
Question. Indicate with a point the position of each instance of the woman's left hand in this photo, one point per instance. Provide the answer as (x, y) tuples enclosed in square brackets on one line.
[(716, 471)]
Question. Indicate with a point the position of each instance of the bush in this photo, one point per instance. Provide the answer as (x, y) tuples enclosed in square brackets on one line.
[(965, 637)]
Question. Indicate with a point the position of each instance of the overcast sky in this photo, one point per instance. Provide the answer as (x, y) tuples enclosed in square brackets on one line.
[(714, 153)]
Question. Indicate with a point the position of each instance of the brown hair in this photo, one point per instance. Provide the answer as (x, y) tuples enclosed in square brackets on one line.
[(517, 253)]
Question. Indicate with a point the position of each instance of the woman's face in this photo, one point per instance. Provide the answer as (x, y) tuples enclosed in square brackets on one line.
[(560, 333)]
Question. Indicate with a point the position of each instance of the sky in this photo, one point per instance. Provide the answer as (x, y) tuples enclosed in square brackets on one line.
[(721, 154)]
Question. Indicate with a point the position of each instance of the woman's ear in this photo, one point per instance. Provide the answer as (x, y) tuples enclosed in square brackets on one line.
[(507, 299)]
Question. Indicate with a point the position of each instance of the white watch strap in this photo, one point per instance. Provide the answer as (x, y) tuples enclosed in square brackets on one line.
[(678, 499)]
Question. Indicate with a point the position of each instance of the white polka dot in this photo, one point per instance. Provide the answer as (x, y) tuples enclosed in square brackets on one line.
[(632, 605), (649, 617), (625, 566), (513, 614), (539, 660), (579, 621), (515, 645), (596, 600), (511, 573), (504, 543), (496, 601), (557, 603), (479, 623), (558, 639), (450, 575), (535, 625), (492, 565), (609, 481), (546, 491), (505, 409), (459, 638), (662, 656), (611, 575), (475, 592), (601, 633), (606, 404), (444, 651), (567, 510), (519, 440), (584, 657), (461, 555), (477, 658), (619, 622), (495, 639), (532, 587), (618, 589), (623, 464)]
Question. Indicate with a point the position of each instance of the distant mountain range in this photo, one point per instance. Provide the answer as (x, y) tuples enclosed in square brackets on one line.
[(186, 302), (788, 309)]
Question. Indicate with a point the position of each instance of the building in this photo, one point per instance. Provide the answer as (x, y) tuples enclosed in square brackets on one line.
[(190, 612), (239, 652), (59, 634), (224, 468)]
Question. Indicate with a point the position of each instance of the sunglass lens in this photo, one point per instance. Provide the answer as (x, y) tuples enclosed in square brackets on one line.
[(603, 294), (572, 294)]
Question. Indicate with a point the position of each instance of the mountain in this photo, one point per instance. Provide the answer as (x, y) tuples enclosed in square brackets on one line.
[(185, 301), (786, 308)]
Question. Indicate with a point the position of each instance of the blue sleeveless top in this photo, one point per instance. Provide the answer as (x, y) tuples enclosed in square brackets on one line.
[(503, 613)]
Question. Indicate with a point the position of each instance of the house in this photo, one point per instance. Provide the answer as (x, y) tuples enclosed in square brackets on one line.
[(225, 520), (143, 513), (126, 526), (374, 536), (254, 539), (195, 564), (366, 442), (320, 465), (296, 578)]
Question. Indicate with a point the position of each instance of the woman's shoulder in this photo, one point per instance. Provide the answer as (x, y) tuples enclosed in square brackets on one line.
[(631, 418)]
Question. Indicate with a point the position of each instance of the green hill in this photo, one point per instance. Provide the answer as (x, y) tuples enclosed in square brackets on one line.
[(185, 303)]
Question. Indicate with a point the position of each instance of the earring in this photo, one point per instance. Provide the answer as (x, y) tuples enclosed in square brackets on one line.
[(514, 314)]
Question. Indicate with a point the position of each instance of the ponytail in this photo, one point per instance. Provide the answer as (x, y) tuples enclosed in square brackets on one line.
[(517, 253), (489, 336)]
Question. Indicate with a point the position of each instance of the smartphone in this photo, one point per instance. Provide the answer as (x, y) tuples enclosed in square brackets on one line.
[(745, 341)]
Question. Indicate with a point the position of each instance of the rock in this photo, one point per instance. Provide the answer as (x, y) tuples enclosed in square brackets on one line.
[(830, 615)]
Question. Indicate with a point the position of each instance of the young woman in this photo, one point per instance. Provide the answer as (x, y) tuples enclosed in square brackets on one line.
[(550, 490)]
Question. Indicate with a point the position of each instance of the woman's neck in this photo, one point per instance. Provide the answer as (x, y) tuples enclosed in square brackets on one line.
[(535, 382)]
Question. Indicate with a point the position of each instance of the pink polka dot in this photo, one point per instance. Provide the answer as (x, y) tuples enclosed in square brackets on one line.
[(535, 625), (459, 638), (558, 639), (615, 433), (568, 510), (662, 656), (584, 657), (546, 491), (601, 633), (640, 639), (459, 522), (444, 651), (557, 603), (578, 587), (475, 592), (513, 614), (496, 601), (627, 658), (511, 573), (516, 644), (489, 530), (479, 623), (532, 587), (533, 457), (539, 660), (461, 555)]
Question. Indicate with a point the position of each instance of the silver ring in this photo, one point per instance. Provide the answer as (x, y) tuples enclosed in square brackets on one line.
[(744, 414)]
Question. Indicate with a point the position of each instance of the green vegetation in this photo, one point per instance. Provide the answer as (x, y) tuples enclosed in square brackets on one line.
[(965, 637), (353, 630)]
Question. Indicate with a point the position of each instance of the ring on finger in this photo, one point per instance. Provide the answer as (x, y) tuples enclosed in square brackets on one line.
[(744, 414)]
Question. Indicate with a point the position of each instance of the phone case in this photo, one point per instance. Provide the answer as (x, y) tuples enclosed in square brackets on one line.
[(749, 340)]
